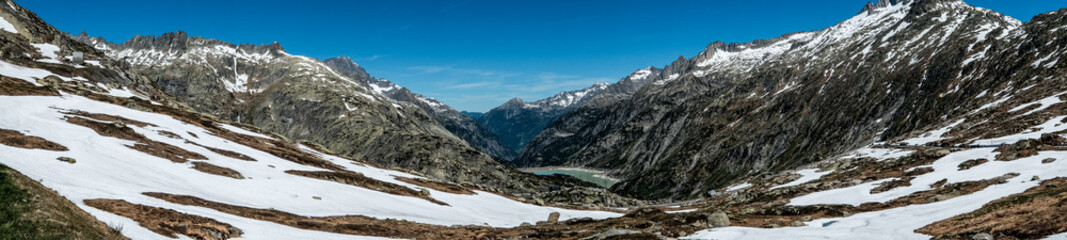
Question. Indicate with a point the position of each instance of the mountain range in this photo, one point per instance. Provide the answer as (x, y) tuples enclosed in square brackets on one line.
[(910, 120)]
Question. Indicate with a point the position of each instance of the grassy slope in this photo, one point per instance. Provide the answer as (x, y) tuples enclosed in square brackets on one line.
[(29, 211)]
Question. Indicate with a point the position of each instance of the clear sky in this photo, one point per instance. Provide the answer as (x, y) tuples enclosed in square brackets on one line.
[(476, 54)]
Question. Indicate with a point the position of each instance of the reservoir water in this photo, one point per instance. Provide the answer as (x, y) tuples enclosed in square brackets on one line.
[(587, 175)]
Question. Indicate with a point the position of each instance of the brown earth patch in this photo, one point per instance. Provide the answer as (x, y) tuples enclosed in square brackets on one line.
[(278, 148), (19, 87), (357, 179), (918, 171), (971, 163), (227, 153), (145, 145), (436, 185), (109, 118), (17, 139), (168, 222), (217, 170), (647, 220), (357, 225), (890, 185), (1033, 214), (1024, 148), (169, 134)]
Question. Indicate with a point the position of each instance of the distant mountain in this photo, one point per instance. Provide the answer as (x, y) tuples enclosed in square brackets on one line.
[(516, 122), (457, 123), (473, 115), (554, 142)]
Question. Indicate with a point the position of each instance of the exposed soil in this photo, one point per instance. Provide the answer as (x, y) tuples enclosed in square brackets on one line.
[(17, 139), (436, 185), (227, 153), (213, 169), (169, 134), (109, 118), (971, 163), (120, 131), (1024, 148), (358, 225), (168, 222), (357, 179), (280, 149), (890, 185), (646, 220), (19, 87), (1033, 214)]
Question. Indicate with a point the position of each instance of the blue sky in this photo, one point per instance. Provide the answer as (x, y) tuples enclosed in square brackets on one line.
[(476, 54)]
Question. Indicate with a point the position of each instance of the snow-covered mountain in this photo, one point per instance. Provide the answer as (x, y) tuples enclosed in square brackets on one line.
[(743, 109), (458, 123), (340, 107), (516, 121)]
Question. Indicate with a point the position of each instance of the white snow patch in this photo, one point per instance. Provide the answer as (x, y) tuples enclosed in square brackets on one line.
[(739, 187), (122, 93), (932, 136), (807, 175), (238, 130), (1043, 104), (29, 74), (7, 26)]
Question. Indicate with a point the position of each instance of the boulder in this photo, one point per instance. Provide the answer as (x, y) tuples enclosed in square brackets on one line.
[(553, 217), (66, 159), (982, 236), (718, 219)]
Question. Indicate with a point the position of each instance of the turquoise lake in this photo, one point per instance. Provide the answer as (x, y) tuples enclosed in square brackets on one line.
[(587, 176)]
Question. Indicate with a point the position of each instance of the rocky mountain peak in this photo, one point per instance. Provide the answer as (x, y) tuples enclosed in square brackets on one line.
[(345, 64), (867, 8), (514, 102)]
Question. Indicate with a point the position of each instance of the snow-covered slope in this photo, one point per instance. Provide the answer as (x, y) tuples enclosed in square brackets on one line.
[(903, 222), (106, 167)]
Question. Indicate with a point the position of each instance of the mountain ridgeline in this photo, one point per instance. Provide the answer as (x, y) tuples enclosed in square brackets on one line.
[(735, 110), (517, 122), (454, 121), (744, 109), (335, 104)]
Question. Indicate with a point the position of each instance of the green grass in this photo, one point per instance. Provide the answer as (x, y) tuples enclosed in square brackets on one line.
[(13, 207)]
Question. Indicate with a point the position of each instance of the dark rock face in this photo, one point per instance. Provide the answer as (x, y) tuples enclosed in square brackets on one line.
[(455, 122), (517, 122), (741, 109)]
